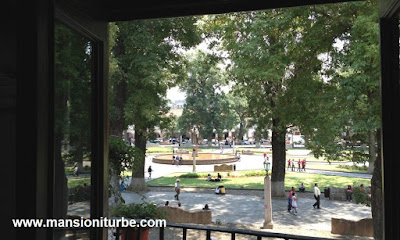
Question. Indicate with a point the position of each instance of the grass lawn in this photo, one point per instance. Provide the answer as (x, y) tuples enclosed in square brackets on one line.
[(70, 171), (330, 167), (159, 149), (73, 182), (239, 180)]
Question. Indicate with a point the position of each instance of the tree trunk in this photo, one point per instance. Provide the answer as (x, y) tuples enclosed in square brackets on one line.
[(376, 194), (257, 140), (372, 150), (61, 182), (209, 140), (138, 183), (115, 197), (79, 164), (240, 135), (278, 160)]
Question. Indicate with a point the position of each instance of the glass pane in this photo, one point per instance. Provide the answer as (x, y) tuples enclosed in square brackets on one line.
[(73, 84)]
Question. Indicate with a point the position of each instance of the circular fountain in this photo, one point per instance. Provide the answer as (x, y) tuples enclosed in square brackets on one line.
[(201, 158)]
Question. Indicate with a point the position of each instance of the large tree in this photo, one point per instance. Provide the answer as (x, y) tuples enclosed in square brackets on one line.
[(206, 108), (276, 59), (346, 101), (257, 43), (146, 63)]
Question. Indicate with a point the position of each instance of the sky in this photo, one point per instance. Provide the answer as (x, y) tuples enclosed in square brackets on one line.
[(175, 94)]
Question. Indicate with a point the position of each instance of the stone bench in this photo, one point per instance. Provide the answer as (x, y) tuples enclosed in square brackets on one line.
[(247, 152), (337, 193), (179, 215), (224, 168), (362, 227), (181, 151)]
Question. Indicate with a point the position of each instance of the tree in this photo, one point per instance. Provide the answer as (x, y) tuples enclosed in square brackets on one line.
[(72, 108), (354, 104), (121, 157), (256, 42), (238, 104), (147, 63), (206, 107)]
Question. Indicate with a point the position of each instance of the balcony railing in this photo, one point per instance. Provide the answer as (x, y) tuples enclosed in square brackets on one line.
[(233, 231)]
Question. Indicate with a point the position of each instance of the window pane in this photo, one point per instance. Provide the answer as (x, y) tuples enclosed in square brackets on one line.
[(73, 84)]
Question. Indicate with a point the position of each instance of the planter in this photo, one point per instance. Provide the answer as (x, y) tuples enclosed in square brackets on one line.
[(132, 234)]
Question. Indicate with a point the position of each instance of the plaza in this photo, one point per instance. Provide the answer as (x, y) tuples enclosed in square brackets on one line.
[(245, 207)]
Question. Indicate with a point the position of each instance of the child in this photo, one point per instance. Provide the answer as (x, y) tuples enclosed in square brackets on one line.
[(294, 203)]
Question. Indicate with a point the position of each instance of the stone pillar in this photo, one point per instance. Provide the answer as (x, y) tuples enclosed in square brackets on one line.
[(194, 159), (268, 224)]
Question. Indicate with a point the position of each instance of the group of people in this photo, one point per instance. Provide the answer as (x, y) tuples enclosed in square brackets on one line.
[(301, 165), (177, 160), (210, 179), (292, 201), (292, 198)]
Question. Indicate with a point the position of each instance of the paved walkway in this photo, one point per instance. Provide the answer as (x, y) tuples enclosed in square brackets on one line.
[(249, 208), (247, 162)]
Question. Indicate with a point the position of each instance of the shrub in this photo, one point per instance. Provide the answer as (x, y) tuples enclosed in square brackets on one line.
[(361, 195), (145, 210), (255, 173), (354, 167), (79, 194)]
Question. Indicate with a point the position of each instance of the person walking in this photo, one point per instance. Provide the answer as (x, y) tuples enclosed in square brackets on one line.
[(265, 155), (317, 194), (177, 189), (288, 164), (299, 165), (293, 167), (149, 170), (304, 164)]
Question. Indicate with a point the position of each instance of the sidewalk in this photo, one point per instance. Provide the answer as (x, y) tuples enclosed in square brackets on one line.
[(248, 209)]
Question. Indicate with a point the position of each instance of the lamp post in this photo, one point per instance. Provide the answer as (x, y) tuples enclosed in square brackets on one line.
[(267, 197)]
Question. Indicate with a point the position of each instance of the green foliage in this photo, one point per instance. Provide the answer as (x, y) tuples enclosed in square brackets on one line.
[(193, 175), (348, 99), (361, 195), (207, 108), (122, 156), (145, 210), (74, 182), (72, 94), (79, 193), (146, 65), (255, 173), (354, 167)]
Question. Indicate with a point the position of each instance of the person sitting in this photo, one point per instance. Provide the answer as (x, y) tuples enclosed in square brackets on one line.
[(219, 178), (122, 187), (179, 204), (349, 193), (206, 207), (302, 188), (209, 179), (220, 190), (166, 203)]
